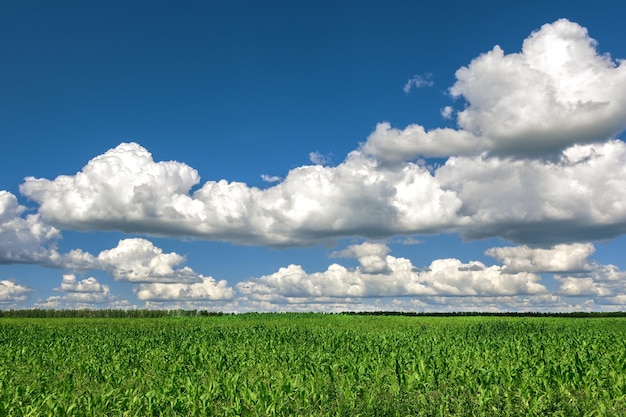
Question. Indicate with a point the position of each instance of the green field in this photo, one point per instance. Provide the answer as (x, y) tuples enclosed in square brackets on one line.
[(313, 365)]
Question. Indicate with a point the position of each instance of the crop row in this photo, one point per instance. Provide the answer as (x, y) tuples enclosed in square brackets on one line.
[(313, 365)]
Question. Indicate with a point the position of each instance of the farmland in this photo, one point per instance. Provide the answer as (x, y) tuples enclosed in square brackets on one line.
[(313, 364)]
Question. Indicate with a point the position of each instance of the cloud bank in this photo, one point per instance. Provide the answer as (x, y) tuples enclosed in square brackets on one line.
[(534, 159)]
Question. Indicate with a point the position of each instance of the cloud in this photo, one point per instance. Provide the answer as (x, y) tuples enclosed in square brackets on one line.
[(372, 257), (23, 239), (560, 258), (575, 198), (11, 292), (207, 290), (88, 285), (125, 190), (398, 277), (270, 178), (417, 81), (531, 162), (318, 159), (86, 293), (603, 281), (579, 197), (139, 261), (557, 92), (121, 189), (447, 112)]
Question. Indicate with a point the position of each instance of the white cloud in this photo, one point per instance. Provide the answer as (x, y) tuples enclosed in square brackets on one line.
[(83, 300), (417, 81), (87, 285), (575, 198), (602, 281), (391, 146), (270, 178), (139, 261), (86, 293), (11, 292), (447, 112), (371, 256), (444, 277), (136, 261), (125, 190), (557, 92), (23, 239), (559, 258), (533, 110), (318, 159), (208, 290), (579, 197)]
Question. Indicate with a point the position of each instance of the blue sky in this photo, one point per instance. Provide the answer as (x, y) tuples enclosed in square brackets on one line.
[(319, 156)]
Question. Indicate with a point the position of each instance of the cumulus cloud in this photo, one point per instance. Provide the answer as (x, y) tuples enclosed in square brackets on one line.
[(139, 261), (602, 281), (559, 258), (207, 290), (557, 92), (88, 285), (553, 107), (371, 256), (443, 277), (11, 292), (23, 239), (571, 265), (417, 81), (124, 189), (158, 275), (86, 293), (391, 146), (579, 197), (575, 198)]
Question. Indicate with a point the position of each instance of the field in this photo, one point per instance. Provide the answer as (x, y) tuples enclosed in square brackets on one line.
[(313, 365)]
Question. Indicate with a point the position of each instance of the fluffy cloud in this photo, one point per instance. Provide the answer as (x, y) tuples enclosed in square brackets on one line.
[(207, 290), (579, 197), (560, 258), (371, 256), (602, 281), (88, 285), (124, 189), (558, 98), (139, 261), (23, 239), (86, 293), (11, 292), (444, 277), (557, 92), (136, 261)]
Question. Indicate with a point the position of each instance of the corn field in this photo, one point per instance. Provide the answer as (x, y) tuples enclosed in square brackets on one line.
[(313, 365)]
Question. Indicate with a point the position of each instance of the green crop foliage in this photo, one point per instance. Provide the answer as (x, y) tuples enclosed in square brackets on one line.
[(313, 365)]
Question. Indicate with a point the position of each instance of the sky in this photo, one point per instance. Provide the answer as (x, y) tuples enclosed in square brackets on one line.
[(313, 156)]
